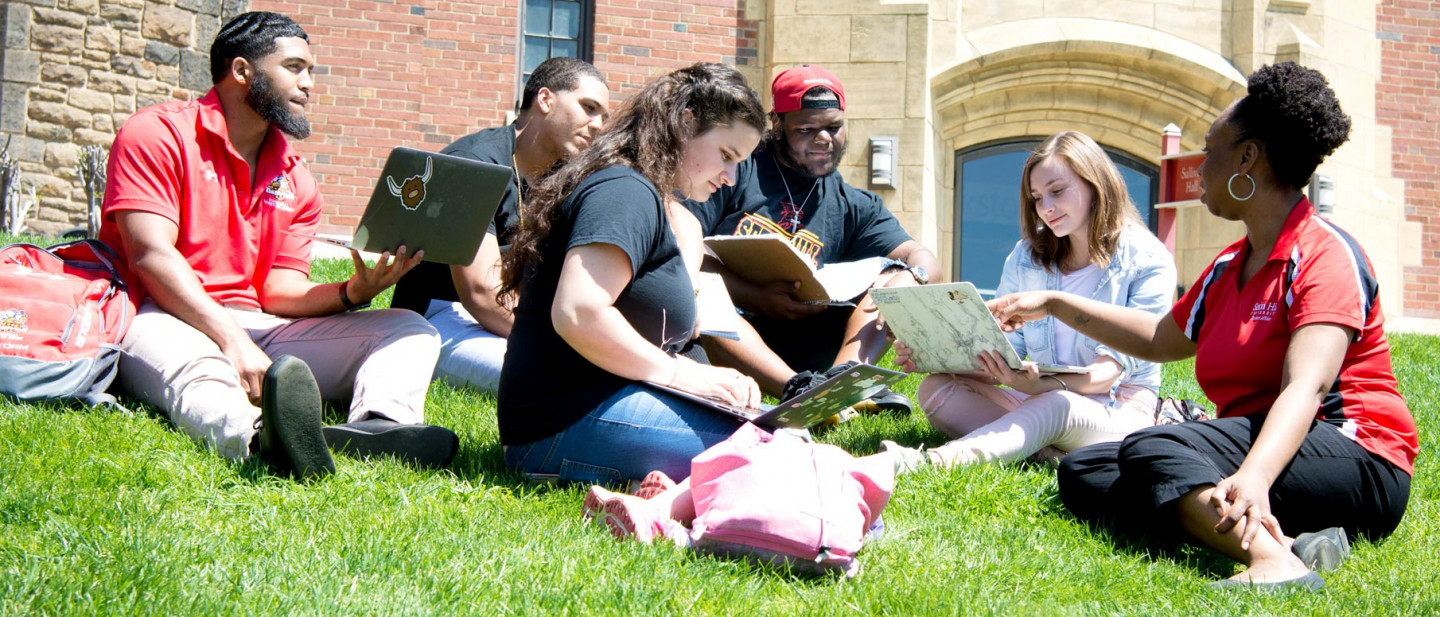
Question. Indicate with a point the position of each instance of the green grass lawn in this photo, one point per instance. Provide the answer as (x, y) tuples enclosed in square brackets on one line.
[(108, 513)]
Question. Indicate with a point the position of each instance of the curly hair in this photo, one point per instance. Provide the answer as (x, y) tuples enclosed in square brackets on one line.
[(1291, 110), (648, 135), (1109, 214)]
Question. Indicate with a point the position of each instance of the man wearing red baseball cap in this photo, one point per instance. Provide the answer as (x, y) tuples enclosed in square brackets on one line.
[(790, 186)]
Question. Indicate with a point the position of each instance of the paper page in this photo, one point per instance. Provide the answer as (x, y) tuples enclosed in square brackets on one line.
[(946, 326), (848, 279), (717, 316)]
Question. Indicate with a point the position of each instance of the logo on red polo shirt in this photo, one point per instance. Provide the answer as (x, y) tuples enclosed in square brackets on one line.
[(280, 191), (1264, 311)]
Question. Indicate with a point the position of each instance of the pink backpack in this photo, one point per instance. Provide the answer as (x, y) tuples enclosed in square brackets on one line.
[(779, 498)]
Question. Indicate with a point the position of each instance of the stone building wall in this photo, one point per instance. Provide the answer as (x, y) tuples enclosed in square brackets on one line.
[(419, 74), (74, 70)]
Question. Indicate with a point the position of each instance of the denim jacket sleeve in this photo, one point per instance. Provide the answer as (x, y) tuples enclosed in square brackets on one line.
[(1009, 284), (1151, 284)]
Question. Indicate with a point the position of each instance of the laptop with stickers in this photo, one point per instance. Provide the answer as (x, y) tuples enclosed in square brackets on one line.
[(947, 325), (813, 406), (428, 201)]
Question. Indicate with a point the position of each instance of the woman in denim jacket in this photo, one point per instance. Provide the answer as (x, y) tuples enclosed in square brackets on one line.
[(1081, 234)]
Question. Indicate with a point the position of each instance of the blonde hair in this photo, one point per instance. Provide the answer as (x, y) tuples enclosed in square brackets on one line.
[(1109, 214)]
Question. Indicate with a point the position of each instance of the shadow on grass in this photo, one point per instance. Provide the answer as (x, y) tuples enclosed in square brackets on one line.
[(1170, 545)]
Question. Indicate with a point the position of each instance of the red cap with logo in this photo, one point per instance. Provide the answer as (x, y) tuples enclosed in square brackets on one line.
[(791, 85)]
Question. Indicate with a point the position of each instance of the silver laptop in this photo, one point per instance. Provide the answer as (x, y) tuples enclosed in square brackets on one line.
[(428, 201), (812, 406), (947, 325)]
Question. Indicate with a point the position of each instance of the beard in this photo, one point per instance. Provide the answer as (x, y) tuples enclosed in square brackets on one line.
[(786, 154), (272, 107)]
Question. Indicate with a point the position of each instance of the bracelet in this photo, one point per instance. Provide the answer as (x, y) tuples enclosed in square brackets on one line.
[(1061, 382), (345, 297)]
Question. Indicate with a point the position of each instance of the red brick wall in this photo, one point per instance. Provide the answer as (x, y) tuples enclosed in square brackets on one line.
[(423, 74), (1408, 99)]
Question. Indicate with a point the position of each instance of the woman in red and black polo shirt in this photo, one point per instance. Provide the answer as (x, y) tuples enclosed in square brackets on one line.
[(1313, 437)]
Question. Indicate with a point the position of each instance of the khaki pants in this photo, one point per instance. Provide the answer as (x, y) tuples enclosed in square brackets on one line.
[(381, 361)]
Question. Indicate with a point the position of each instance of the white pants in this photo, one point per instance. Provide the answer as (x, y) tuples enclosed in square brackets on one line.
[(470, 355), (380, 360), (997, 425)]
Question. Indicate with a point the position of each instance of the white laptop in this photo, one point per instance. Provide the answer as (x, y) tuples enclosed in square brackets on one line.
[(947, 325), (812, 406)]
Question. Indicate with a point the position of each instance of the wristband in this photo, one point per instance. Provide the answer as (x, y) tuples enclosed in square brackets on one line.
[(345, 298)]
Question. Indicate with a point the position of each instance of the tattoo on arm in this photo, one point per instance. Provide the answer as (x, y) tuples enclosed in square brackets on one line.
[(1082, 320)]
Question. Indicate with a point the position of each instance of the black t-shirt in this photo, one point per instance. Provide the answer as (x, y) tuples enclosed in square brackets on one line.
[(431, 281), (834, 222), (545, 385)]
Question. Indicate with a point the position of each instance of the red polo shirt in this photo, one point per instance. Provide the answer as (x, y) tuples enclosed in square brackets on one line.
[(175, 160), (1315, 274)]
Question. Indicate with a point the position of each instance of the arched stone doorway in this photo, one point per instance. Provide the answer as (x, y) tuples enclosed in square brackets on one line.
[(1120, 84)]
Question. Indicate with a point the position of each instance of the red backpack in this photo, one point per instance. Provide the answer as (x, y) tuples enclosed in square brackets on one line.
[(63, 310)]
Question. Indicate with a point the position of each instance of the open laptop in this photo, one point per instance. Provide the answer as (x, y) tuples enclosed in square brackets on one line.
[(428, 201), (947, 325), (812, 406)]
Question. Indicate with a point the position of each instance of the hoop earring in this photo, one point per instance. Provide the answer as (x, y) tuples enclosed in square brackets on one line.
[(1230, 186)]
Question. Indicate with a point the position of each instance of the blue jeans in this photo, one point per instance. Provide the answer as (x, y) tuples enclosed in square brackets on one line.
[(470, 355), (630, 434)]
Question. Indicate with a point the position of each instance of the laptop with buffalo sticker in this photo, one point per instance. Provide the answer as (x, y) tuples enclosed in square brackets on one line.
[(828, 398), (428, 201)]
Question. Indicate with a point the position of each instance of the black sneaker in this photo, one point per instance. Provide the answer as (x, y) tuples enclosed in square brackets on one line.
[(805, 380), (290, 409), (885, 401), (420, 444)]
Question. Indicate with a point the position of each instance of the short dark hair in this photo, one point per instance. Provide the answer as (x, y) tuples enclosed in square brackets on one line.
[(1292, 111), (250, 36), (557, 74)]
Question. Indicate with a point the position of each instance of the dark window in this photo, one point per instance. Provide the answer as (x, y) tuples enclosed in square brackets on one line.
[(554, 28), (987, 205)]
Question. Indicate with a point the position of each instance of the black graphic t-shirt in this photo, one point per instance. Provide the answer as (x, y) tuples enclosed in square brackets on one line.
[(431, 281), (545, 385), (825, 218)]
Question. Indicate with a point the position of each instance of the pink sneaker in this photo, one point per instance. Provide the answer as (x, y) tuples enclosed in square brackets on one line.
[(626, 516), (655, 482)]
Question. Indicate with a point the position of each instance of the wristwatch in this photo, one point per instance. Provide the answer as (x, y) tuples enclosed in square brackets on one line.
[(919, 273)]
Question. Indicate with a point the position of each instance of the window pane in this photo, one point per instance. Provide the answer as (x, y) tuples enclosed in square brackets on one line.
[(561, 47), (989, 216), (567, 20), (537, 50), (537, 16), (1137, 183)]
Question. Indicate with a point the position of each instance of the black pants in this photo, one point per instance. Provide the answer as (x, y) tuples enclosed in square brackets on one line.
[(1331, 482), (806, 344)]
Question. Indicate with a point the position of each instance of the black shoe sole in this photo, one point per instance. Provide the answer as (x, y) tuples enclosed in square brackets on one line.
[(290, 408), (421, 444)]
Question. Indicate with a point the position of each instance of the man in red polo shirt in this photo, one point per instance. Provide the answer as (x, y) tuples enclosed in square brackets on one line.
[(202, 200)]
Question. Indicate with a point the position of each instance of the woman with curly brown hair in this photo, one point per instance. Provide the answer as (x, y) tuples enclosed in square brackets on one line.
[(603, 265), (1312, 435)]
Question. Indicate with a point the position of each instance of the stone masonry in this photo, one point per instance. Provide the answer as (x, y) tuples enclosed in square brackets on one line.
[(74, 70)]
